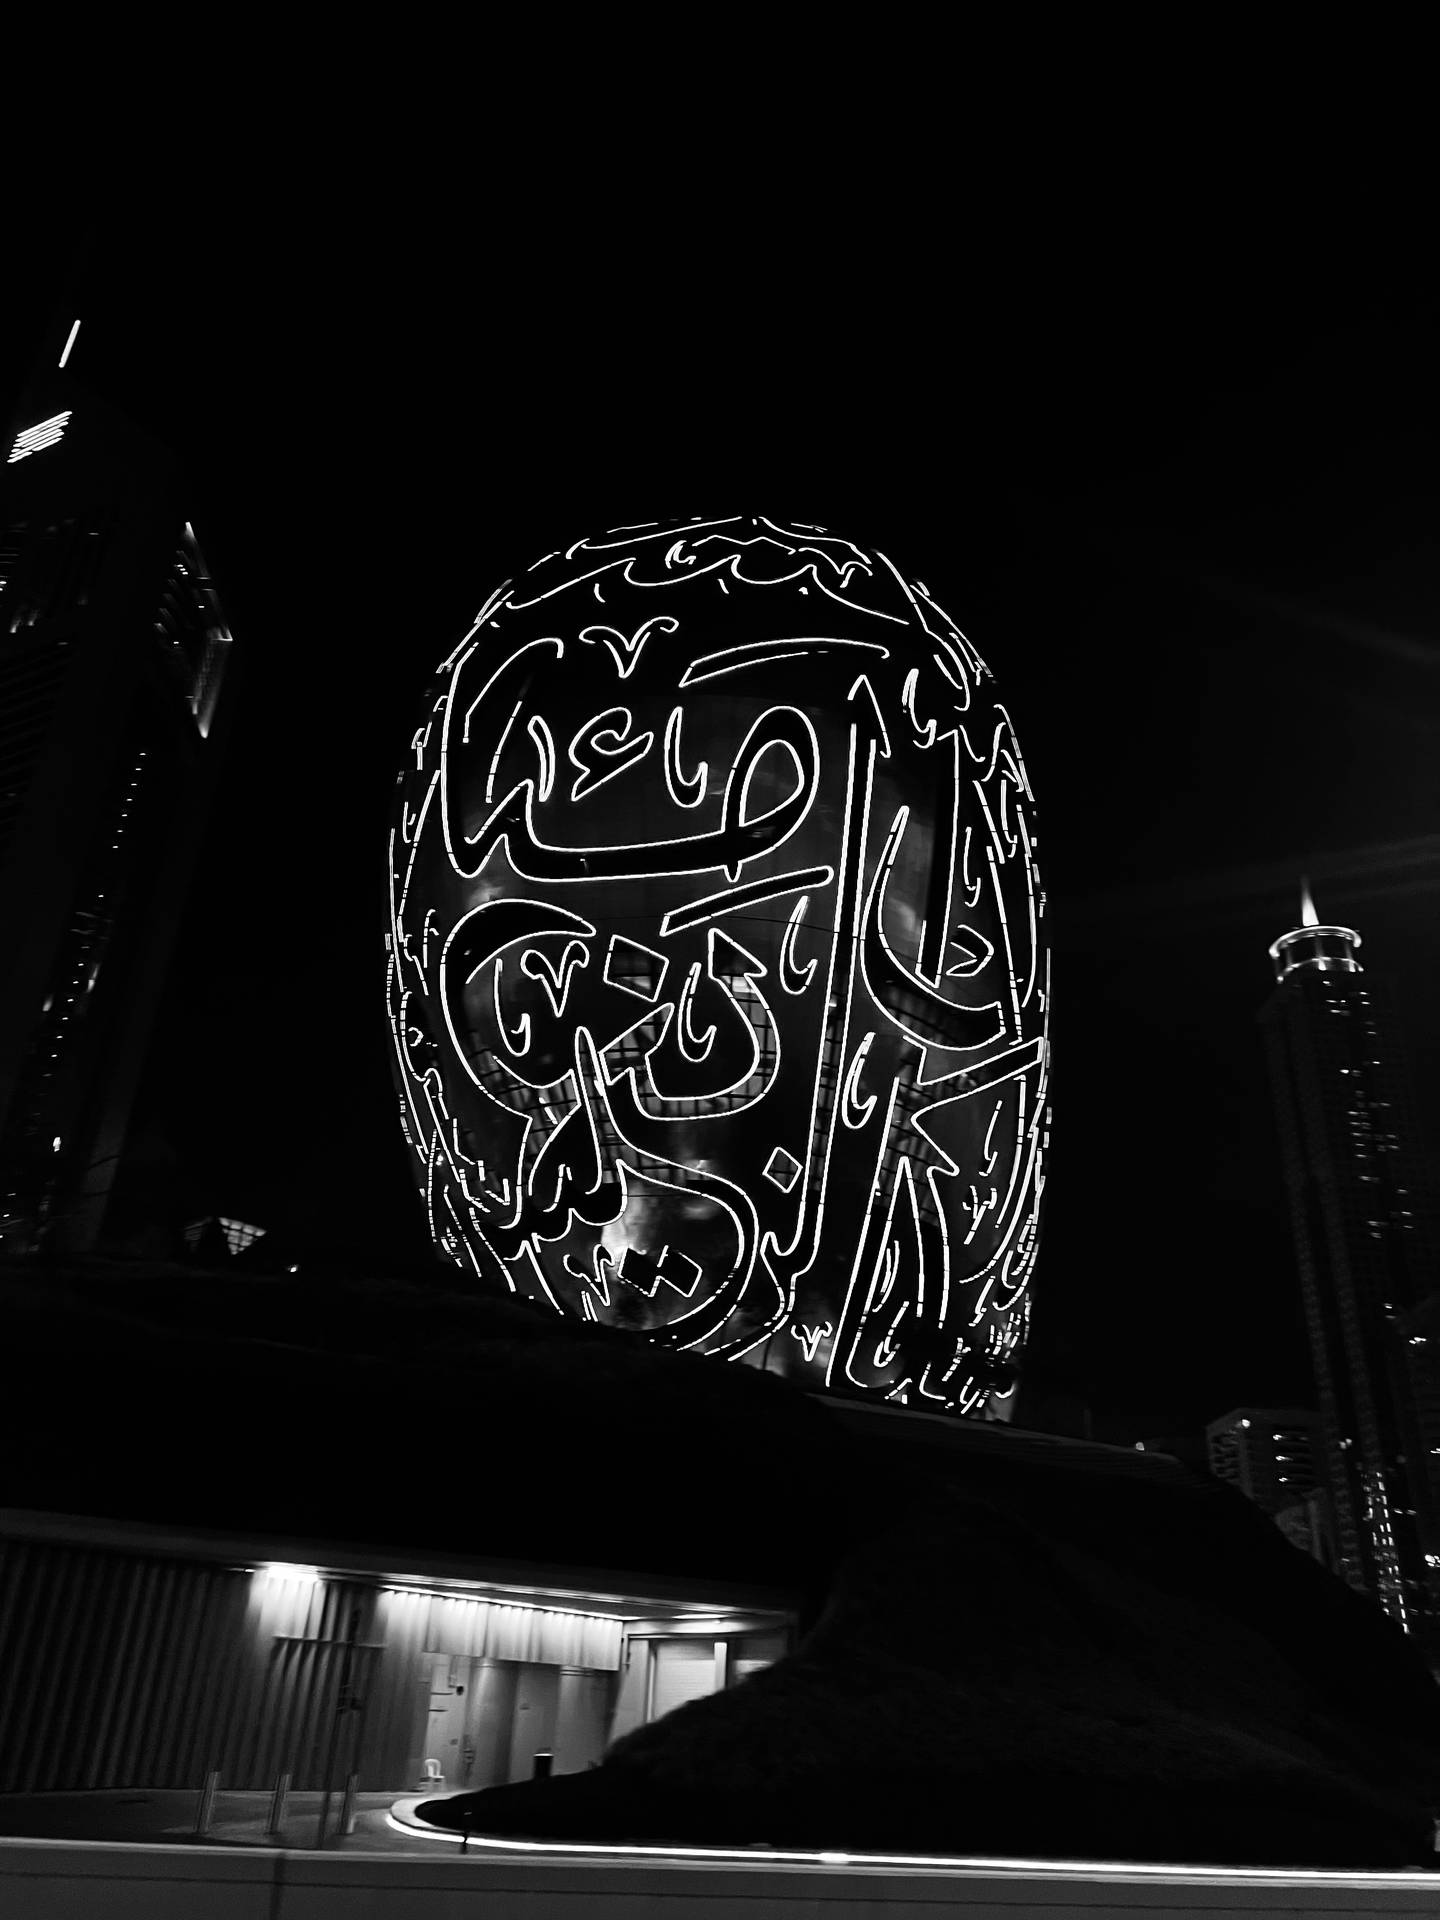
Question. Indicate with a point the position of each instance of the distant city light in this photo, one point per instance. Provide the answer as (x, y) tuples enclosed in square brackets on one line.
[(69, 343), (55, 1144)]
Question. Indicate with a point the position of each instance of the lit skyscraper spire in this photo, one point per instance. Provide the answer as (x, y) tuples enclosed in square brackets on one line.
[(1346, 1138), (1314, 947)]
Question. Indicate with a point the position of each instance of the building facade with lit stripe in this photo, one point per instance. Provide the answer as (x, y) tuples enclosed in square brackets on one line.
[(156, 1655), (1366, 1267), (113, 649)]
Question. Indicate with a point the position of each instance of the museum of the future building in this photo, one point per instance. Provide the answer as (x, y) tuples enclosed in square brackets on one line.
[(717, 968)]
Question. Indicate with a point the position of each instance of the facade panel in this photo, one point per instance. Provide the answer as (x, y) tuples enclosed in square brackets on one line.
[(120, 1671)]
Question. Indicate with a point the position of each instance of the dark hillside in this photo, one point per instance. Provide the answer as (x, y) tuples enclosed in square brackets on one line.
[(1009, 1644)]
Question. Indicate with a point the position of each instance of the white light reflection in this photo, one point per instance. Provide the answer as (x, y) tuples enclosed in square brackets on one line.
[(964, 1865)]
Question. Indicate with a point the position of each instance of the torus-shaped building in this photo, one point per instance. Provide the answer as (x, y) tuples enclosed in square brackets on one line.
[(716, 961)]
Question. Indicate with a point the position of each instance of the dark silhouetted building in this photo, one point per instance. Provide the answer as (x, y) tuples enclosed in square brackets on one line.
[(1366, 1264), (1310, 1526), (1270, 1455), (222, 1234), (113, 648), (1266, 1453)]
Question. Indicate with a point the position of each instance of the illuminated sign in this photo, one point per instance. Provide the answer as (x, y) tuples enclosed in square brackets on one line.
[(35, 439), (717, 977)]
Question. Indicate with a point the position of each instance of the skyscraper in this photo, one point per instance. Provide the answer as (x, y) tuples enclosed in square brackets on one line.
[(1366, 1268), (113, 648)]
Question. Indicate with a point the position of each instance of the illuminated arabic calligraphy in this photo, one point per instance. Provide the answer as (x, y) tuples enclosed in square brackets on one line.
[(716, 968)]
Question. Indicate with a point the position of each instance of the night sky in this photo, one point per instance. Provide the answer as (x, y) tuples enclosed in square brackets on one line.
[(1186, 512)]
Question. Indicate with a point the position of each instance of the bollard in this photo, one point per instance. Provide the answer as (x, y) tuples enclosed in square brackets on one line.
[(543, 1764), (205, 1813), (347, 1805), (277, 1802)]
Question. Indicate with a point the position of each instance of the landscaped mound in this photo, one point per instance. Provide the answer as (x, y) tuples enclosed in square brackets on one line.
[(1009, 1647), (987, 1681)]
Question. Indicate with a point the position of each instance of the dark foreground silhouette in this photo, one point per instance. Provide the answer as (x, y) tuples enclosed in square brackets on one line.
[(1007, 1647), (1083, 1671)]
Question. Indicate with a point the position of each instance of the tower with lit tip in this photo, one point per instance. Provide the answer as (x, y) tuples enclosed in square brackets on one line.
[(1346, 1139)]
